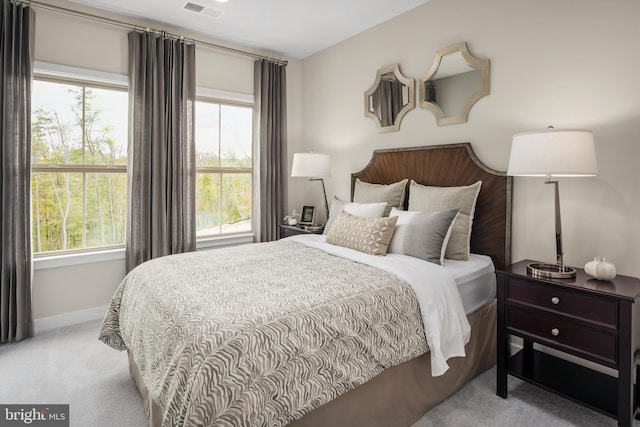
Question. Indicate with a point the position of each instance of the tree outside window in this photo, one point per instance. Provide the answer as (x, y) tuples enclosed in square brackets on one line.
[(79, 158), (224, 135)]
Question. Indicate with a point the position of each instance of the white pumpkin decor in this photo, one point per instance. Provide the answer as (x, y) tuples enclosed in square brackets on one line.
[(600, 269)]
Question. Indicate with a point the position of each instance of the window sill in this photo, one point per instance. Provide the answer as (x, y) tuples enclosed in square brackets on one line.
[(45, 262), (66, 260), (216, 242)]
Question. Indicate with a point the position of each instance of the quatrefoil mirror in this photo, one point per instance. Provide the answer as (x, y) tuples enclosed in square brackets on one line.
[(390, 97), (454, 83)]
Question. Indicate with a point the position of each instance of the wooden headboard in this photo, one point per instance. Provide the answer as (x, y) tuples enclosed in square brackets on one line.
[(448, 166)]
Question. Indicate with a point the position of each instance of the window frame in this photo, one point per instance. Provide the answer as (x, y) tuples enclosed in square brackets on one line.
[(223, 98), (84, 78)]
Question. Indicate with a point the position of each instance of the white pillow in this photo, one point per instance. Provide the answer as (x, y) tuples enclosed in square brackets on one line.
[(366, 210), (422, 235)]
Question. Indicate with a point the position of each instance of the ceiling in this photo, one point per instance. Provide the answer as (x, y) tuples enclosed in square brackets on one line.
[(296, 28)]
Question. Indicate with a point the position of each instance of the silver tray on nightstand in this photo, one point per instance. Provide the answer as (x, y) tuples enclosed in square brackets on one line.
[(550, 271)]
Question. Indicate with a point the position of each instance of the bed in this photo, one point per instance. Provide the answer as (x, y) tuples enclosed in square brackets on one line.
[(386, 388)]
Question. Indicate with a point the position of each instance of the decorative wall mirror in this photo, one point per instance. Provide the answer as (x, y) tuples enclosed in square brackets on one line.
[(454, 83), (389, 98)]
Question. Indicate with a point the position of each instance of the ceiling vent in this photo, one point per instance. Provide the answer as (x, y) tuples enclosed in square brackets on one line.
[(194, 7)]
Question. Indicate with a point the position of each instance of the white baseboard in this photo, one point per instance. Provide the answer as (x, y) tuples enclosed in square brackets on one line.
[(68, 319)]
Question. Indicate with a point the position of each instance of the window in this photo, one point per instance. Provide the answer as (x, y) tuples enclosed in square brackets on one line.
[(79, 165), (224, 135)]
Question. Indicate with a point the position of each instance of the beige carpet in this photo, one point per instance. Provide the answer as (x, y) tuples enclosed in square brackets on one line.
[(71, 366)]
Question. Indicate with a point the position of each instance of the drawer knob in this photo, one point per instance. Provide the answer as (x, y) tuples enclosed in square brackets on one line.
[(555, 332), (555, 300)]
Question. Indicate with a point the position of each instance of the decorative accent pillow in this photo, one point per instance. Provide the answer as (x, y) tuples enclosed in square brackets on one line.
[(392, 194), (367, 210), (368, 235), (435, 199), (422, 235)]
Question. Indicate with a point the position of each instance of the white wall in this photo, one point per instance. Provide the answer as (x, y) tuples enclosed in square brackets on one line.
[(567, 63), (74, 41)]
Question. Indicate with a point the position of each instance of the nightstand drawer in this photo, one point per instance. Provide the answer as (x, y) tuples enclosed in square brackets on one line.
[(565, 335), (564, 302)]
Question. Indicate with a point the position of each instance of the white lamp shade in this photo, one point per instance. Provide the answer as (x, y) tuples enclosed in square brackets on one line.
[(310, 165), (553, 153)]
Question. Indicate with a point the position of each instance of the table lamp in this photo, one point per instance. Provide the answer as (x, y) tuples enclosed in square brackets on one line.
[(553, 153), (314, 166)]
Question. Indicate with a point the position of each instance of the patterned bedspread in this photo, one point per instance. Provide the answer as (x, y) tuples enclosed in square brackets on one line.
[(259, 335)]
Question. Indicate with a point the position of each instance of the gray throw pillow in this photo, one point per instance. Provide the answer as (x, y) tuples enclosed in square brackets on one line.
[(422, 235), (436, 199), (392, 194)]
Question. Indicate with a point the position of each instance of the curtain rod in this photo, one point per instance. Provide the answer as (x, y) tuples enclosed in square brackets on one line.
[(123, 24)]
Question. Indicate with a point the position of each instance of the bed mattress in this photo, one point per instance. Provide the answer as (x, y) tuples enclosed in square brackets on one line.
[(475, 278)]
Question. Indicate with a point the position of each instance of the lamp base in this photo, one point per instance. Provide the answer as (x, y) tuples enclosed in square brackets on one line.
[(550, 271)]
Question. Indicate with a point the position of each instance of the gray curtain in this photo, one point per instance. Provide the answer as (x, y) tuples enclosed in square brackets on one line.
[(161, 168), (270, 91), (16, 70)]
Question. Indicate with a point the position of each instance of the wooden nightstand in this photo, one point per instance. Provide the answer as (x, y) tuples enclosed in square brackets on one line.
[(292, 230), (591, 319)]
